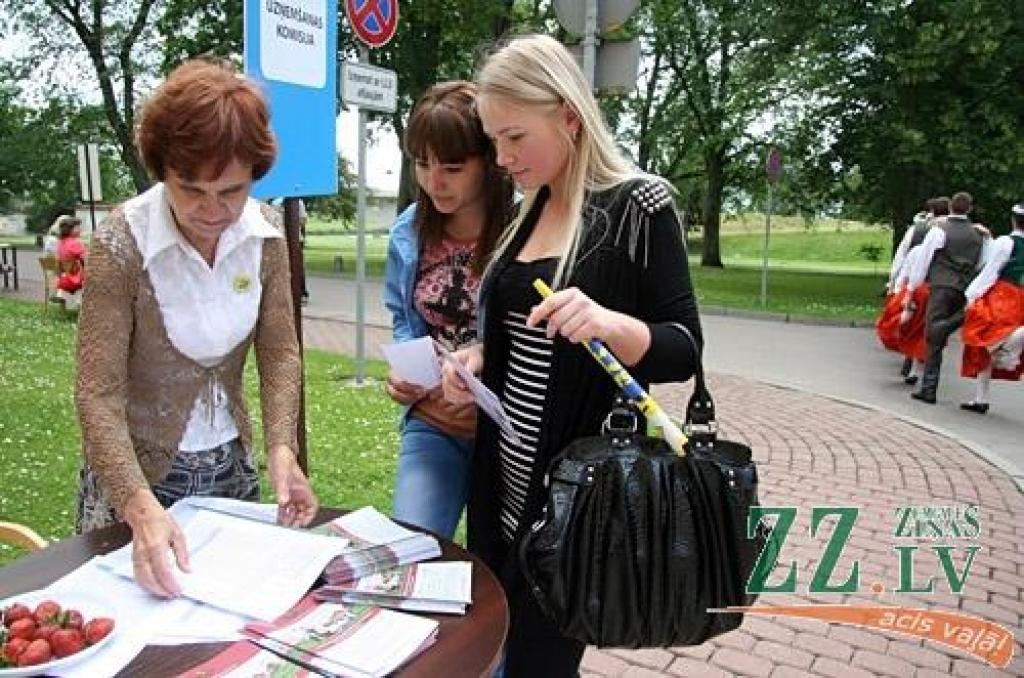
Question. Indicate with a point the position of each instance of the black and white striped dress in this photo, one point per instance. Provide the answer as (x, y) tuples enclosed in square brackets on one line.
[(528, 364)]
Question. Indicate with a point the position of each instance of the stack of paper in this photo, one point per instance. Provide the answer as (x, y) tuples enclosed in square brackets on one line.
[(328, 639), (444, 588), (231, 557), (376, 543)]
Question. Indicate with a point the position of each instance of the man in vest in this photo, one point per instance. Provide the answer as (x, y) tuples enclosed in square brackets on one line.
[(950, 257), (993, 331)]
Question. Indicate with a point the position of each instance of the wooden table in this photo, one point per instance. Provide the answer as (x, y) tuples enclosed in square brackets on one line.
[(466, 646)]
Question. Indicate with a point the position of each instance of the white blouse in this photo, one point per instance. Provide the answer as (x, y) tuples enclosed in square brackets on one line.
[(207, 310)]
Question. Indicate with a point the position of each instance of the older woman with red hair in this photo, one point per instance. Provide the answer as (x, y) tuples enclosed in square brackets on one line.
[(183, 280)]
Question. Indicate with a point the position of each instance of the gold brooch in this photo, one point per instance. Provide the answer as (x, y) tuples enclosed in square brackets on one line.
[(241, 284)]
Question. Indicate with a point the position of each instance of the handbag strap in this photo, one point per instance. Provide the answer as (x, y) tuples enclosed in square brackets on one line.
[(700, 427)]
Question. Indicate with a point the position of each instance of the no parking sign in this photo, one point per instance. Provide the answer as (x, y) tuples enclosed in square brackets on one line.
[(373, 21)]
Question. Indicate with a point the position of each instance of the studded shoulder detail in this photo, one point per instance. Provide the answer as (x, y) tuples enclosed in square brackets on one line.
[(652, 196)]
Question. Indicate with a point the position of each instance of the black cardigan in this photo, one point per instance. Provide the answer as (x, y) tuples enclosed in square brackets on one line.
[(634, 262)]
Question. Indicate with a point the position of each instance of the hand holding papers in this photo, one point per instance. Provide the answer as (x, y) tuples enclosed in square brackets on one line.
[(414, 362), (484, 397)]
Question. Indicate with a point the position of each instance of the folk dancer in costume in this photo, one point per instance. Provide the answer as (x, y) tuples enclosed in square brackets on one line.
[(888, 325), (950, 257), (993, 332)]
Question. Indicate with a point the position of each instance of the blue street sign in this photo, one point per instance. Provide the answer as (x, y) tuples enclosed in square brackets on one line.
[(291, 51)]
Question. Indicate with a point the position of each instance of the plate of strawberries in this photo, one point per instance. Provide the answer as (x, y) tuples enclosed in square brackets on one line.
[(41, 633)]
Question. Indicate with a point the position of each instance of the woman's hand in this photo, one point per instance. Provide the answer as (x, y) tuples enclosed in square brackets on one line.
[(402, 392), (155, 535), (574, 315), (578, 318), (296, 502), (455, 389)]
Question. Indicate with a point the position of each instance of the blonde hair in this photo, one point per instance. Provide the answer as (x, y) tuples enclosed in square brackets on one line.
[(537, 71)]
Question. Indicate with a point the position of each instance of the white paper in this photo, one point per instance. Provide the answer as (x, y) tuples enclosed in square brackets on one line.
[(414, 361), (245, 566), (484, 397), (444, 588), (355, 640), (185, 509)]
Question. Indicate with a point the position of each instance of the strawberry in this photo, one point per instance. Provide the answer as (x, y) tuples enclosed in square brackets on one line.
[(23, 628), (13, 648), (72, 619), (46, 630), (46, 611), (37, 652), (66, 642), (97, 629), (16, 612)]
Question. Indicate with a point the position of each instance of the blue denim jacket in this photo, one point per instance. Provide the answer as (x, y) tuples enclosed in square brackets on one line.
[(400, 278)]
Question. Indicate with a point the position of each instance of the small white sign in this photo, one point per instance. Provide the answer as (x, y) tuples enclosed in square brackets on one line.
[(369, 87), (293, 41), (89, 172)]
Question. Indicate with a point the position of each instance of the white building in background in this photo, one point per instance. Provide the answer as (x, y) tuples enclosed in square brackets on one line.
[(12, 224), (381, 208)]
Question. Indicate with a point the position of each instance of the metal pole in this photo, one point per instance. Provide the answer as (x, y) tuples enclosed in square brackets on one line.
[(88, 182), (364, 57), (590, 43), (764, 256), (292, 226)]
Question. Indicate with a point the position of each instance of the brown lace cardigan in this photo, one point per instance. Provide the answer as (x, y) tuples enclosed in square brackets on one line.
[(135, 391)]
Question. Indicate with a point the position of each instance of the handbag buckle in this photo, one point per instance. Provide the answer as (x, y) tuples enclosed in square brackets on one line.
[(620, 421), (708, 428)]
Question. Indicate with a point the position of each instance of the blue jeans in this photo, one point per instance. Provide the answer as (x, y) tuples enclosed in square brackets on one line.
[(433, 477)]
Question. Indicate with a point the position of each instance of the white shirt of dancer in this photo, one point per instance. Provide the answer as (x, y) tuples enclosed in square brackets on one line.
[(932, 243), (207, 310), (903, 249), (995, 254)]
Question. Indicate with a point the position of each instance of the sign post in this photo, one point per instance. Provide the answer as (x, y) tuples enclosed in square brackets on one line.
[(606, 65), (290, 51), (370, 88), (774, 171), (89, 178)]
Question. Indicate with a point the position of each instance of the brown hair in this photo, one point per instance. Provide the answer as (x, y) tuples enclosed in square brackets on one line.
[(939, 206), (200, 119), (961, 203), (67, 225), (445, 124)]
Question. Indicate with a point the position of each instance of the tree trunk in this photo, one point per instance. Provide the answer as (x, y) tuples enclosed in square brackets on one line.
[(714, 167)]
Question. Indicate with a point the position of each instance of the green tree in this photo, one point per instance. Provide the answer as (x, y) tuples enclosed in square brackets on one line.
[(716, 69), (114, 36), (39, 167), (924, 100), (342, 205)]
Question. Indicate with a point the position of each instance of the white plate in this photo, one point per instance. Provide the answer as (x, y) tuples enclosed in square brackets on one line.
[(89, 606)]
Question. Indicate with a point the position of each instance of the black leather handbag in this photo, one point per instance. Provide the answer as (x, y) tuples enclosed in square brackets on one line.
[(636, 543)]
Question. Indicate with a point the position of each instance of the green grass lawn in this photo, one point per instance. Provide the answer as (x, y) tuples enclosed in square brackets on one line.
[(353, 440), (824, 250), (837, 296)]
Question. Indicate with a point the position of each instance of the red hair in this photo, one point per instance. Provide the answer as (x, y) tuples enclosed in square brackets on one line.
[(200, 119)]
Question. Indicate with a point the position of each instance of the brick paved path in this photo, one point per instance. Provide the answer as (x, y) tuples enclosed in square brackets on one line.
[(815, 451)]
